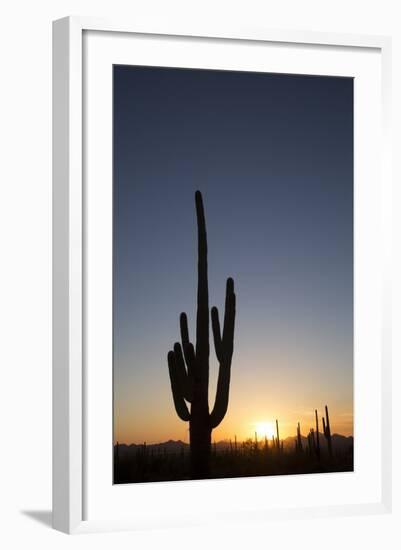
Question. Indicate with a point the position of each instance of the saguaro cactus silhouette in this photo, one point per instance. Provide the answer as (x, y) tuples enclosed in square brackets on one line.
[(189, 365)]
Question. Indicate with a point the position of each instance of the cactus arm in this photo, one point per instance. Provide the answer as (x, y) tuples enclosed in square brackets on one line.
[(184, 329), (224, 351), (229, 318), (218, 343), (183, 379), (224, 345), (186, 343), (222, 394), (176, 389), (189, 354)]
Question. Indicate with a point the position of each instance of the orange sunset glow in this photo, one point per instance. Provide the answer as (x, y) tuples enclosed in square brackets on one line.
[(254, 406)]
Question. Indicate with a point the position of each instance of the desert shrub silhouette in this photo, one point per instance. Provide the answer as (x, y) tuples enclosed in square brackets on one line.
[(189, 365)]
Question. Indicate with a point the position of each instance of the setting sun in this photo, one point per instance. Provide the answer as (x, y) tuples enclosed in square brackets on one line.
[(265, 429)]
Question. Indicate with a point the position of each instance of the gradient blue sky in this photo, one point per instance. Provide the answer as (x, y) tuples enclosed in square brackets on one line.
[(273, 157)]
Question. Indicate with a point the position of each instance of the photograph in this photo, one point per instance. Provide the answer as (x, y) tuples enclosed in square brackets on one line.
[(233, 274)]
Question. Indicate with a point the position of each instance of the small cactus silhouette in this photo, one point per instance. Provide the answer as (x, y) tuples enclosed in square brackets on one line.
[(317, 435), (298, 441), (327, 431), (313, 440), (278, 436), (189, 365)]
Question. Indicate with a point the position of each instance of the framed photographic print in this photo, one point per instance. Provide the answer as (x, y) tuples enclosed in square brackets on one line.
[(221, 313)]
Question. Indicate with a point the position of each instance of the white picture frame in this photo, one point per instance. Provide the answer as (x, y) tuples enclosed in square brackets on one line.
[(72, 473)]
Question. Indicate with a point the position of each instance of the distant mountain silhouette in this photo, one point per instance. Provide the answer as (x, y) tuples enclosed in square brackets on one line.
[(169, 446), (340, 443)]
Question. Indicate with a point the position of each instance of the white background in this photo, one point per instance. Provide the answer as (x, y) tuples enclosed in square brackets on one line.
[(25, 218)]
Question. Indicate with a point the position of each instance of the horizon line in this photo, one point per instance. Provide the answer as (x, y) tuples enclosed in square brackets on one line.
[(227, 440)]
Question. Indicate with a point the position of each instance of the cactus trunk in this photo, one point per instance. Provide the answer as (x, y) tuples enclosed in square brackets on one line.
[(200, 442), (189, 366)]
